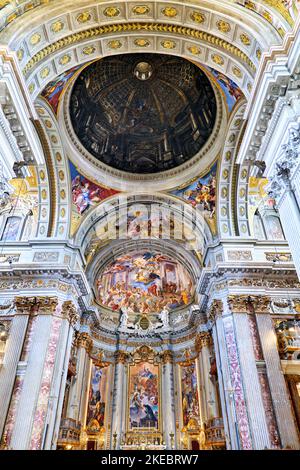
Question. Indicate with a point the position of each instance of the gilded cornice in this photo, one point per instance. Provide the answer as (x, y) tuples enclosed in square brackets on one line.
[(151, 27)]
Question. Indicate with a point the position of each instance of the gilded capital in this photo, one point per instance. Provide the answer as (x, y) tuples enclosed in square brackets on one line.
[(167, 357), (121, 357), (69, 312), (215, 310), (36, 305), (203, 340), (249, 304), (84, 341)]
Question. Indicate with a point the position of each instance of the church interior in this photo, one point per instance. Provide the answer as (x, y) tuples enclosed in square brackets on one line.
[(149, 225)]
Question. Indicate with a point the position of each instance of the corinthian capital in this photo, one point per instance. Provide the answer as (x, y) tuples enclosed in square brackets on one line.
[(36, 305), (84, 341), (216, 310), (167, 357), (121, 357), (249, 304), (69, 312), (203, 340)]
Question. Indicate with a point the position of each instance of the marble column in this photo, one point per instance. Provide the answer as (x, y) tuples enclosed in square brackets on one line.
[(227, 405), (209, 392), (69, 320), (79, 390), (119, 407), (14, 345), (290, 218), (279, 392), (38, 392), (249, 374), (31, 396), (168, 399)]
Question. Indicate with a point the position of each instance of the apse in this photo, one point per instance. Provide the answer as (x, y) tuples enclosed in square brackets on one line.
[(143, 113)]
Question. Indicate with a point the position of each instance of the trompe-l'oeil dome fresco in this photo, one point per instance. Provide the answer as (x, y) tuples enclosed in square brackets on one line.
[(143, 113), (145, 282)]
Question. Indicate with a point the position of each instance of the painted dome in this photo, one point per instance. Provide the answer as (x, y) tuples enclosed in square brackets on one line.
[(143, 113)]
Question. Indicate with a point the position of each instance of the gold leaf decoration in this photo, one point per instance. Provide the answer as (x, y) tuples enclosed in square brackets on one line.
[(20, 54), (84, 17), (223, 26), (112, 12), (197, 17), (57, 26), (245, 39), (217, 59), (115, 44), (35, 39), (31, 88), (168, 44), (44, 72), (65, 59), (88, 50), (237, 72), (141, 42), (170, 12), (194, 50), (140, 10)]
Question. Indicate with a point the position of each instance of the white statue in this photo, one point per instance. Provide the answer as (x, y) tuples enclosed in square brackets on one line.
[(124, 317), (164, 317)]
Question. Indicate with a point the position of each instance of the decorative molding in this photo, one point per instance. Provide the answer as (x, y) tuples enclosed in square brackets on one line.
[(45, 256), (239, 255), (151, 27)]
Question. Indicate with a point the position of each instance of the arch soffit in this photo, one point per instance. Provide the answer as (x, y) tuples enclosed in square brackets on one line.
[(57, 36), (104, 214)]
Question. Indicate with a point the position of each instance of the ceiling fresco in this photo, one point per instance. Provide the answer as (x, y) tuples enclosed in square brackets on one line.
[(231, 90), (143, 113), (201, 194), (85, 195), (145, 283), (54, 89)]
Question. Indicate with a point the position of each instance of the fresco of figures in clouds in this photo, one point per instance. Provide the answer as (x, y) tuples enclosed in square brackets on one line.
[(145, 283)]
